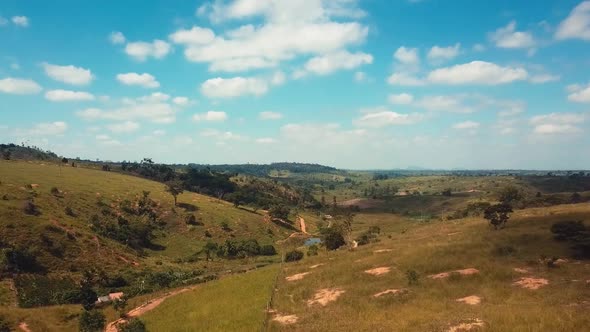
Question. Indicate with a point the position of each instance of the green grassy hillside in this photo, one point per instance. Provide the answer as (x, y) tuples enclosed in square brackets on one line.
[(501, 257)]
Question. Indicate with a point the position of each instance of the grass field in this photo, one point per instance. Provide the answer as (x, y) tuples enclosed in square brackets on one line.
[(235, 303), (430, 305)]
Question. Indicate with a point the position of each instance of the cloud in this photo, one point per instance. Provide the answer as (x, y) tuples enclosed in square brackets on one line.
[(194, 36), (144, 80), (404, 79), (544, 78), (471, 125), (444, 103), (579, 94), (19, 86), (401, 99), (140, 51), (124, 127), (342, 60), (407, 56), (181, 101), (360, 76), (221, 135), (320, 136), (21, 21), (233, 87), (153, 108), (212, 116), (44, 129), (576, 25), (438, 54), (67, 95), (284, 30), (68, 74), (557, 123), (477, 72), (508, 37), (266, 140), (270, 116), (117, 37), (382, 117)]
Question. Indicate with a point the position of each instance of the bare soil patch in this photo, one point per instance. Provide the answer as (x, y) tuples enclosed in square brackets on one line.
[(531, 283), (472, 325), (382, 250), (24, 327), (472, 300), (296, 277), (316, 266), (325, 296), (464, 272), (285, 319), (520, 270), (379, 271), (391, 291)]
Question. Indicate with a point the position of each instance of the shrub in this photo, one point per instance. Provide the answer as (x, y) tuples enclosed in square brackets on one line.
[(312, 250), (293, 256), (190, 219), (30, 208), (225, 226), (279, 211), (268, 250), (133, 325), (68, 210), (92, 321), (567, 230), (504, 250), (412, 276), (54, 191), (4, 326), (208, 234), (18, 260), (5, 197), (576, 233), (332, 238), (498, 215)]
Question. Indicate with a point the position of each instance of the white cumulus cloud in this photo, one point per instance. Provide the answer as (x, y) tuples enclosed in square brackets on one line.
[(438, 53), (233, 87), (269, 115), (509, 37), (477, 72), (123, 127), (577, 24), (157, 49), (213, 116), (68, 74), (117, 37), (67, 95), (19, 86), (21, 21), (144, 80)]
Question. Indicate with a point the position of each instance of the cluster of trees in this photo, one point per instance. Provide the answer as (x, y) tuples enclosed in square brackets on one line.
[(265, 194), (135, 228), (380, 192), (263, 170), (237, 249), (576, 233), (13, 151)]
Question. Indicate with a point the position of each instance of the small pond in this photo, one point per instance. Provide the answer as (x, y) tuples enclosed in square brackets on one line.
[(312, 241)]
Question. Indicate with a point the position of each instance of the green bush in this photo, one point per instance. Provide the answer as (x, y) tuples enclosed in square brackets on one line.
[(133, 325), (293, 256), (37, 290), (412, 276), (312, 250), (332, 238), (268, 250), (92, 321), (4, 326)]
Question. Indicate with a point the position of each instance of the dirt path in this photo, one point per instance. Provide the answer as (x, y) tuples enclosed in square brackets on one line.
[(302, 225), (148, 306)]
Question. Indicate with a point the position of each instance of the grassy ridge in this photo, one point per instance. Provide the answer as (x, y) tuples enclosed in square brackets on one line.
[(235, 303), (431, 304)]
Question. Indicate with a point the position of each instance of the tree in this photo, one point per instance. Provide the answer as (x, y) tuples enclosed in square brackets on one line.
[(509, 195), (209, 249), (64, 160), (6, 154), (92, 321), (332, 238), (120, 304), (576, 198), (279, 211), (498, 214), (174, 188), (293, 256)]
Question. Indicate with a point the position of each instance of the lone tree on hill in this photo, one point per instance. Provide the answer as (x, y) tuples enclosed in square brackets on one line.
[(174, 188), (279, 211), (498, 214)]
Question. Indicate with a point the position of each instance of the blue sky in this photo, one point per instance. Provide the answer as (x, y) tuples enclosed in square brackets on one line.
[(348, 83)]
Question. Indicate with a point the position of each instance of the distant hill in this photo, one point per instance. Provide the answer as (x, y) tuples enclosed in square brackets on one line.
[(13, 151), (265, 169)]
